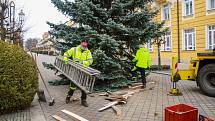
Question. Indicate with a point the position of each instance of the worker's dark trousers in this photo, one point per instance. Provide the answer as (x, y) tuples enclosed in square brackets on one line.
[(71, 92), (142, 73)]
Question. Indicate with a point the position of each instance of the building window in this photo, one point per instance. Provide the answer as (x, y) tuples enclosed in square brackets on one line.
[(211, 37), (189, 39), (166, 12), (188, 7), (210, 4), (167, 43), (149, 46)]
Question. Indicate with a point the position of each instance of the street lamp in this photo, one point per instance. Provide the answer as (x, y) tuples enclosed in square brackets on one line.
[(12, 12), (21, 17), (3, 5), (19, 30), (178, 32), (3, 16)]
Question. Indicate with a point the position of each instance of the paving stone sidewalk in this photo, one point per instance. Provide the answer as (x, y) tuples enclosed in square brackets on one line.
[(147, 105)]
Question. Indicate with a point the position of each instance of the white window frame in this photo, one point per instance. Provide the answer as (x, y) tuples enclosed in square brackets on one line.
[(210, 44), (188, 44), (164, 46), (191, 10), (166, 8)]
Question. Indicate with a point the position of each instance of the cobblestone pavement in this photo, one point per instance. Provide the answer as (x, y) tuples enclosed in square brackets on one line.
[(147, 105)]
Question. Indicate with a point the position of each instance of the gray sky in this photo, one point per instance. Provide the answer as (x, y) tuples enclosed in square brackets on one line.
[(37, 12)]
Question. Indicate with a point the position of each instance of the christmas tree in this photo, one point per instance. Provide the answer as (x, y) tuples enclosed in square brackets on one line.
[(114, 29)]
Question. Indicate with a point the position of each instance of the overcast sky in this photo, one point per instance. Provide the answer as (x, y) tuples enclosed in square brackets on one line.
[(37, 12)]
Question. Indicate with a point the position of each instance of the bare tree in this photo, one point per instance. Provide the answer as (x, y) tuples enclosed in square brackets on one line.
[(10, 28), (159, 41), (3, 9), (31, 43)]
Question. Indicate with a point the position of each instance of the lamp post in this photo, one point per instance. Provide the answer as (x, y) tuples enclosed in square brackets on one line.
[(178, 32), (10, 28), (19, 30), (3, 7), (21, 17), (12, 12), (7, 16), (11, 20)]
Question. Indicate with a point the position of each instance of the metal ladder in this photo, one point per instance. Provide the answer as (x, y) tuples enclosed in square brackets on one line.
[(82, 77)]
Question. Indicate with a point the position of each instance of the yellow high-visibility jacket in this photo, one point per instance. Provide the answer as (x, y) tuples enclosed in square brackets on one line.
[(80, 56), (142, 58)]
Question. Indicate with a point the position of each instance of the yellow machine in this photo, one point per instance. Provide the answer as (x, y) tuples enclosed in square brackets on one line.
[(201, 69)]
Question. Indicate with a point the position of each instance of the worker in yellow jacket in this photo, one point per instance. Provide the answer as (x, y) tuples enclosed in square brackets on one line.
[(80, 54), (143, 61)]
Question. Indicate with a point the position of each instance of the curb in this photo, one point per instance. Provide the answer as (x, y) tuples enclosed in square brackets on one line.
[(36, 111)]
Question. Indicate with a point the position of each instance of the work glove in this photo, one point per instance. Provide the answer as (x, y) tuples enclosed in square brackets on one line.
[(86, 64), (77, 61), (134, 68), (66, 62), (65, 59)]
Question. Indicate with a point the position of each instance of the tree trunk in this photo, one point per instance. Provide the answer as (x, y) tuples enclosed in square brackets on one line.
[(2, 29), (159, 57)]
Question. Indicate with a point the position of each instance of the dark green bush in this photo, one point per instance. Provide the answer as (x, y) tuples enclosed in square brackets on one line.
[(18, 78)]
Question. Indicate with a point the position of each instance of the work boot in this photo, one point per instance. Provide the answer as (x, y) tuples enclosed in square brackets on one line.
[(68, 98), (144, 86), (84, 103)]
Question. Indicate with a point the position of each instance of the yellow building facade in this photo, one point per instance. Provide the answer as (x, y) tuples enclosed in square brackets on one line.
[(196, 28)]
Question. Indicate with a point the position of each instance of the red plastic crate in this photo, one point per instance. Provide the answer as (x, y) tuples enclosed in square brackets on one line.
[(181, 112)]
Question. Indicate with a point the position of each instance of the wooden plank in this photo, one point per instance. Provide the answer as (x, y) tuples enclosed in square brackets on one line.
[(137, 87), (108, 105), (103, 94), (74, 115), (124, 97), (117, 110), (136, 84), (130, 93), (111, 99), (120, 93), (120, 97), (58, 118)]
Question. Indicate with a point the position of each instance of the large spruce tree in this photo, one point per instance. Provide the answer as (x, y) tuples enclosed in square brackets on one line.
[(114, 28)]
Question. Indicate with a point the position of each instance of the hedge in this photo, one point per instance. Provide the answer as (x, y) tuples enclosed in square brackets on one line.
[(18, 78)]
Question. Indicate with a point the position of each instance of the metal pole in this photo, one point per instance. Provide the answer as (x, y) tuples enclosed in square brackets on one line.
[(178, 31)]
